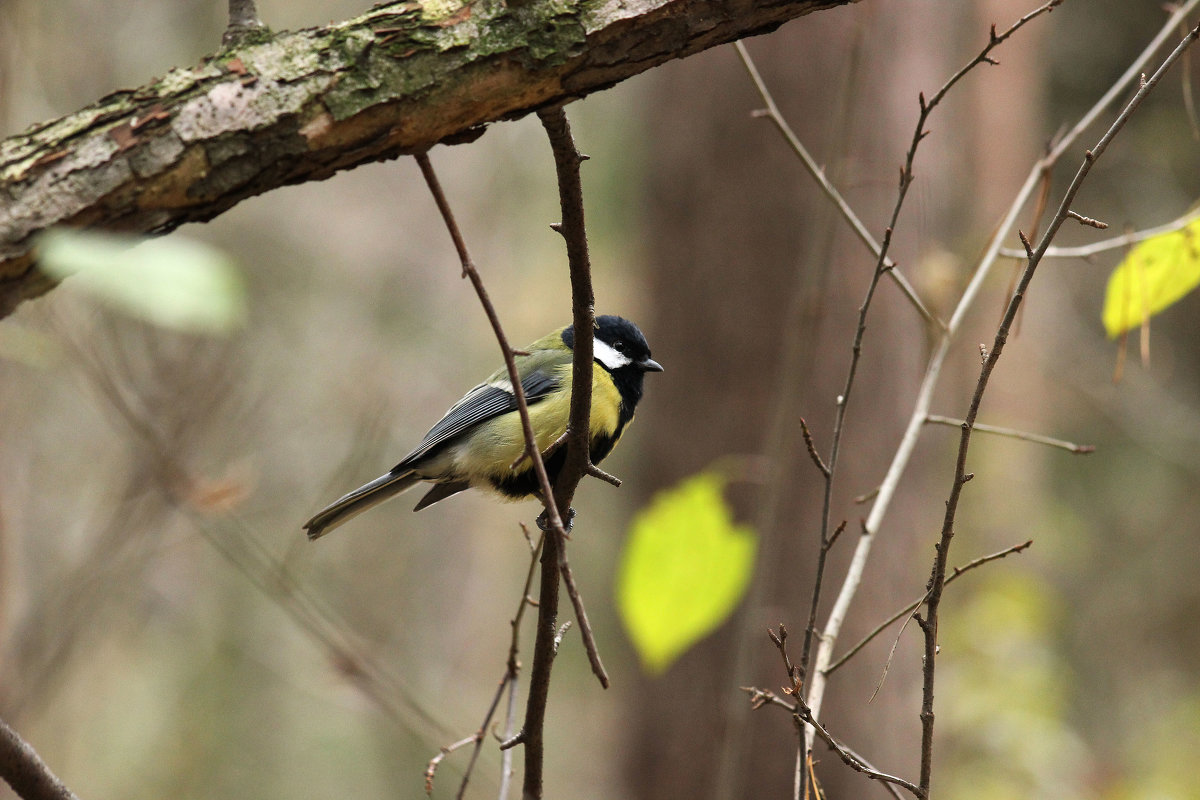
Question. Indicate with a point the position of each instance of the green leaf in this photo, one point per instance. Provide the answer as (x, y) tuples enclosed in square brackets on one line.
[(1155, 274), (685, 567), (174, 282)]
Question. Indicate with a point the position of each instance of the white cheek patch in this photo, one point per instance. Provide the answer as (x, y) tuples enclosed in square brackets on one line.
[(609, 357)]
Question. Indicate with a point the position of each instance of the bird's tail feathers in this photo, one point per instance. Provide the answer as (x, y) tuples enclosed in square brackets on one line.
[(358, 501)]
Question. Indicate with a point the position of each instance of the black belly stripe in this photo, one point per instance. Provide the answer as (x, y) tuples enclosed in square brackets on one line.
[(524, 482)]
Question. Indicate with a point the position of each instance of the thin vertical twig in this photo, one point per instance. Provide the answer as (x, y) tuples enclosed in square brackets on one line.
[(508, 680), (243, 19), (578, 459), (543, 650)]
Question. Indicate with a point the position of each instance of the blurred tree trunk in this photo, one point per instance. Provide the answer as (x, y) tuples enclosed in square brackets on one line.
[(737, 229)]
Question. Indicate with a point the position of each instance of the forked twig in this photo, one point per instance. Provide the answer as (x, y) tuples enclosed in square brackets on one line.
[(508, 681), (763, 697), (911, 607), (1115, 243), (772, 112)]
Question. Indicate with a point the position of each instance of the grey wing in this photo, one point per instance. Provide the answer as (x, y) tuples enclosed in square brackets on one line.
[(485, 401)]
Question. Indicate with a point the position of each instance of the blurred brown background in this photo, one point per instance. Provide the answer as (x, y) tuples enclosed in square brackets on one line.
[(149, 647)]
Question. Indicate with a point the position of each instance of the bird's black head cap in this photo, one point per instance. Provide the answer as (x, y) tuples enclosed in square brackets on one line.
[(622, 336), (621, 349)]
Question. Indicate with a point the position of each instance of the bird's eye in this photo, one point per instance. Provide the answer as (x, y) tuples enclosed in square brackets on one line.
[(619, 347)]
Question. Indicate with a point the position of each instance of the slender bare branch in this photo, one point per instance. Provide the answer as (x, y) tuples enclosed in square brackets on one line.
[(765, 697), (513, 666), (585, 628), (435, 762), (851, 760), (1013, 433), (760, 698), (578, 458), (510, 716), (23, 769), (1115, 243), (802, 714), (1088, 221), (887, 662), (508, 681), (818, 174), (911, 607), (512, 669), (833, 537), (890, 788), (471, 273)]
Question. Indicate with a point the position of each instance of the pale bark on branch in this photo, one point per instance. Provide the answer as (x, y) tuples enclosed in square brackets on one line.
[(292, 107)]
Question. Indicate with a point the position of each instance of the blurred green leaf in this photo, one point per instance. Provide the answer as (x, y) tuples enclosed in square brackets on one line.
[(174, 282), (685, 566), (1155, 275)]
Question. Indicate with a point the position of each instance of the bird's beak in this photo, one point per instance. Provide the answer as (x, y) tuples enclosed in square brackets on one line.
[(650, 365)]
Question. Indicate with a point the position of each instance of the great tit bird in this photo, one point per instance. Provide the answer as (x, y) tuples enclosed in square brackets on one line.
[(479, 440)]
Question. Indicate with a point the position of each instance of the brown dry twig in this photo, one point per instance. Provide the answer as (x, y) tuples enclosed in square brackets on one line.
[(760, 698), (911, 607), (23, 769), (543, 654), (772, 112), (507, 681), (903, 454), (567, 159), (1013, 433)]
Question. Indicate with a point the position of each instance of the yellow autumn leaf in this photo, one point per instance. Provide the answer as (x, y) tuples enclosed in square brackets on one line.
[(1155, 275), (684, 568)]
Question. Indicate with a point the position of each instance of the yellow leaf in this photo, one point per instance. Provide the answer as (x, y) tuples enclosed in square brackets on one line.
[(685, 567), (1155, 275)]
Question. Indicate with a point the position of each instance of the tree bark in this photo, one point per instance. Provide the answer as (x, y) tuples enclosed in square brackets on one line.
[(292, 107)]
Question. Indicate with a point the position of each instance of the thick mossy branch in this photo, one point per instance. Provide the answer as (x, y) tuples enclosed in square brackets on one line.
[(299, 106)]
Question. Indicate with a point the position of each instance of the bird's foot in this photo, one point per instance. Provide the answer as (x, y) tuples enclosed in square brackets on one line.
[(543, 521)]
